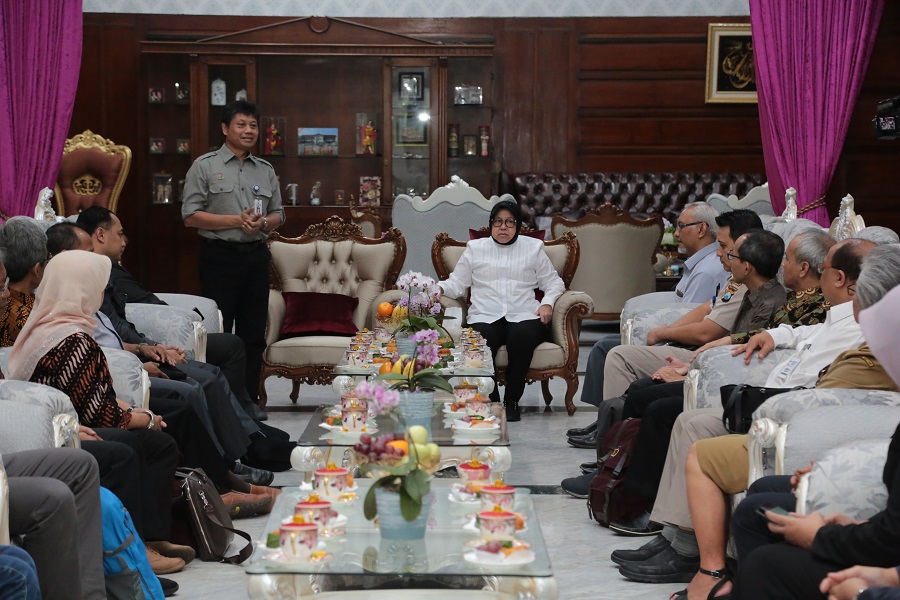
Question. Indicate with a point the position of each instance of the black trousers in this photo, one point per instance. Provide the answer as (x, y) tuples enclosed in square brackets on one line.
[(239, 283), (194, 442), (520, 340), (658, 406), (138, 466), (226, 351)]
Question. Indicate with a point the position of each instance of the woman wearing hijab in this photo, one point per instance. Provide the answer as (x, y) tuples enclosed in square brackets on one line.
[(502, 271), (56, 348)]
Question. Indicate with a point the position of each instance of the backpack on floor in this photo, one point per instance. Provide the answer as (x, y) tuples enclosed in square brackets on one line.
[(608, 414), (608, 501), (126, 570)]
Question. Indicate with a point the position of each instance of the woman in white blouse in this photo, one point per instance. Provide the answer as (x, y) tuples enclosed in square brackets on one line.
[(503, 271)]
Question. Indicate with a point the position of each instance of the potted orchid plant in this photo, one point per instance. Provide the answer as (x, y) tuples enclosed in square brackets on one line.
[(422, 303), (419, 373), (401, 466)]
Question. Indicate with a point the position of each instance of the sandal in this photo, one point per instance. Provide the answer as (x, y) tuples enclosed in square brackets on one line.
[(679, 595), (723, 575)]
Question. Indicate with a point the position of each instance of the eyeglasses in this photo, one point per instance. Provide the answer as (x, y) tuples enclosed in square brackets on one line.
[(5, 289), (851, 289), (502, 222), (732, 256), (823, 267), (679, 225)]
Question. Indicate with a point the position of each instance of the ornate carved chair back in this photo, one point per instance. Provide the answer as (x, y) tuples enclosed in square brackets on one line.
[(92, 172)]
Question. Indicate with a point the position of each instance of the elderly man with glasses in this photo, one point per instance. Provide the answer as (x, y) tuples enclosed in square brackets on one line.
[(26, 255)]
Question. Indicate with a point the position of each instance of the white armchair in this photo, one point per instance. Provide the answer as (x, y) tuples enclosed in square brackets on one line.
[(717, 367), (846, 480), (209, 310), (172, 325), (791, 428), (4, 505)]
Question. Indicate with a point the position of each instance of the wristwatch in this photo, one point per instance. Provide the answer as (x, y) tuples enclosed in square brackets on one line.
[(265, 226)]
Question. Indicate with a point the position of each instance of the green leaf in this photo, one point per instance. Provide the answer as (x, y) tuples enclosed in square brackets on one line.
[(417, 484), (369, 507), (409, 507), (390, 377)]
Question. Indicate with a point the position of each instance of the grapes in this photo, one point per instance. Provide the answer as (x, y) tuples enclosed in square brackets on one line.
[(375, 448), (365, 439), (493, 547)]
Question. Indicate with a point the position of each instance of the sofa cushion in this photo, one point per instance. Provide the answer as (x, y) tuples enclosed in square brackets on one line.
[(307, 351), (546, 355), (313, 313)]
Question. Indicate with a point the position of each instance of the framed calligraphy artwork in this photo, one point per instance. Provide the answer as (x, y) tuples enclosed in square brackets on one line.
[(730, 72)]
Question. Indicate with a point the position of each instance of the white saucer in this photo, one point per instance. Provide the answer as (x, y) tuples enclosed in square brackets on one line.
[(465, 503), (464, 429), (471, 526), (478, 557)]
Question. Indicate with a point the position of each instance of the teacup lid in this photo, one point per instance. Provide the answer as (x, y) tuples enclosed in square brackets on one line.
[(473, 466), (499, 487), (332, 469), (496, 514), (313, 504), (299, 526)]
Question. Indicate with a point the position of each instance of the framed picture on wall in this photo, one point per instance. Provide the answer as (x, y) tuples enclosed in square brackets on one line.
[(730, 71)]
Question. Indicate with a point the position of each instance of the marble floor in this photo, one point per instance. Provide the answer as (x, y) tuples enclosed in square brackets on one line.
[(579, 548)]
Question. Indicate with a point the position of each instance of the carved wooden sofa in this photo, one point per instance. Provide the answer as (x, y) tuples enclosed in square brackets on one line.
[(329, 258)]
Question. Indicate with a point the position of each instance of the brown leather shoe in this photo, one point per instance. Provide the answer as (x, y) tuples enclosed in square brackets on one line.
[(242, 506), (185, 553), (163, 565), (265, 491)]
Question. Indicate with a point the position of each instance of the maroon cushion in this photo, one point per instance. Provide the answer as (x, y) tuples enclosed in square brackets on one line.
[(477, 234), (311, 313)]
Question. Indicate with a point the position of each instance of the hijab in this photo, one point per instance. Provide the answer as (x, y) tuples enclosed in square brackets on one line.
[(880, 324), (65, 302), (513, 208)]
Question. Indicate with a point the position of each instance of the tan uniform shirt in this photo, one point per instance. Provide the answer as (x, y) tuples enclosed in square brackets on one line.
[(222, 184)]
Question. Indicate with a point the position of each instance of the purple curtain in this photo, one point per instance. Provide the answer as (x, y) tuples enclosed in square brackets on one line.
[(40, 42), (811, 57)]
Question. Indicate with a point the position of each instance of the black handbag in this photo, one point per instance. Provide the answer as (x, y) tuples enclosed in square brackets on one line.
[(211, 530), (741, 401)]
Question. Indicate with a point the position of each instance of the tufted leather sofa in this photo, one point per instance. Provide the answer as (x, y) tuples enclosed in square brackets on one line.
[(331, 257), (574, 194)]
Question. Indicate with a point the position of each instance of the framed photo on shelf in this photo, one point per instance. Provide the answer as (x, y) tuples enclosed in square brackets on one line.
[(411, 130), (272, 136), (157, 145), (411, 86), (156, 95), (183, 146), (367, 133), (161, 188), (370, 190), (182, 93), (339, 198), (467, 95), (317, 141), (730, 71), (470, 145)]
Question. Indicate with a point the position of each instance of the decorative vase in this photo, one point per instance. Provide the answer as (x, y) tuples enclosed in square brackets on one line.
[(405, 344), (415, 405), (391, 522)]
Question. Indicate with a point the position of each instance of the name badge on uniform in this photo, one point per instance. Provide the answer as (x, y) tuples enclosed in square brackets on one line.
[(257, 206), (792, 364)]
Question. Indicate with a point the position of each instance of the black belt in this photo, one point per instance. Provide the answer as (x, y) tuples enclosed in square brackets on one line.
[(242, 247)]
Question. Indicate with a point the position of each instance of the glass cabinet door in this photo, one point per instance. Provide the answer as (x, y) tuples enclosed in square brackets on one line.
[(410, 93)]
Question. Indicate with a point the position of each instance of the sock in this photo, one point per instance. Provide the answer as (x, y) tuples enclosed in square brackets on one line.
[(668, 533), (685, 543)]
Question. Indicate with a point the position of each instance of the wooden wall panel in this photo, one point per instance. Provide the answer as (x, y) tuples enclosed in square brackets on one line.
[(570, 95)]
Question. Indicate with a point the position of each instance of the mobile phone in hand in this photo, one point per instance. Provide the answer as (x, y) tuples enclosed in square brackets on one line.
[(774, 509)]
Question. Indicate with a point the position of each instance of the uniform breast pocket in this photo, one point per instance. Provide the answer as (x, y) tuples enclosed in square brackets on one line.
[(264, 192), (218, 187)]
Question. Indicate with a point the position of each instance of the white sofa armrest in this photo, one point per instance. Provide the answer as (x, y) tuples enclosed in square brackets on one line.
[(209, 310), (130, 380), (4, 506), (717, 367), (643, 321), (170, 325), (35, 416)]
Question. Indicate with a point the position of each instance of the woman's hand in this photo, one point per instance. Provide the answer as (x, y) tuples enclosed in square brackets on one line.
[(795, 478), (799, 530), (545, 312), (86, 434)]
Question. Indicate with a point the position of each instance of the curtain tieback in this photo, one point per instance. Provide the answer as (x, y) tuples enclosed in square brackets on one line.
[(818, 203)]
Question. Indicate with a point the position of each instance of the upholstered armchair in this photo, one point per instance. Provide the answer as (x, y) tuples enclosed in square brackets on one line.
[(92, 173), (717, 367), (757, 200), (622, 251), (452, 209), (329, 258), (172, 325), (368, 220), (643, 307), (558, 357), (206, 307)]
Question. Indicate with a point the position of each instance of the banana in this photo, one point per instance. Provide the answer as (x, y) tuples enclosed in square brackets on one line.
[(408, 370), (404, 312), (398, 366), (395, 314)]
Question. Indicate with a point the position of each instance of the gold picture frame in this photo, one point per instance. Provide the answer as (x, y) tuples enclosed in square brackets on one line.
[(730, 70)]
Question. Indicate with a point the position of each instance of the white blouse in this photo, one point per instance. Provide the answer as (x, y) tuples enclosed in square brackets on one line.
[(503, 279)]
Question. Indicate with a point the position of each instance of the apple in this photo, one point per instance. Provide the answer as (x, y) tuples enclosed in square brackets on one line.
[(434, 452), (421, 452), (418, 434)]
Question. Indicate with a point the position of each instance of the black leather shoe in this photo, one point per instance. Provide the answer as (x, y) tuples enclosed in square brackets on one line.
[(169, 587), (666, 567), (590, 466), (252, 475), (648, 550), (585, 441), (513, 413), (255, 412), (577, 431), (638, 526), (578, 487)]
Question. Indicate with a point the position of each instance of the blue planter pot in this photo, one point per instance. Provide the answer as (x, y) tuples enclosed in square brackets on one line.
[(391, 522), (405, 344), (416, 406)]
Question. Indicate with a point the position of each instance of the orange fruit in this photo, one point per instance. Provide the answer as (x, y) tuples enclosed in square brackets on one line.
[(402, 444), (385, 309), (385, 368)]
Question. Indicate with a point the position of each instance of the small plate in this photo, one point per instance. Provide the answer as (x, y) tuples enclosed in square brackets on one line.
[(478, 557), (462, 428), (472, 527)]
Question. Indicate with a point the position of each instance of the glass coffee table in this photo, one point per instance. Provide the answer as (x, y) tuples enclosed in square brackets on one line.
[(329, 444), (360, 564)]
